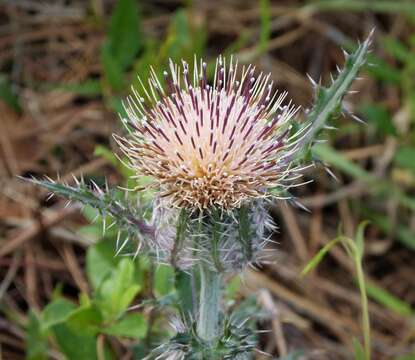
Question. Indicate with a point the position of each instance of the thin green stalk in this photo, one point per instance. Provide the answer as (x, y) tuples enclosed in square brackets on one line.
[(355, 250), (384, 6), (365, 308), (209, 304)]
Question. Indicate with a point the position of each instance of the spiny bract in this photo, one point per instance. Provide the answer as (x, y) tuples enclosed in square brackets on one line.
[(211, 145)]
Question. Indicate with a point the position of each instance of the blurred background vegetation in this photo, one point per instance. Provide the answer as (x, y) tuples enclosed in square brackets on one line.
[(64, 68)]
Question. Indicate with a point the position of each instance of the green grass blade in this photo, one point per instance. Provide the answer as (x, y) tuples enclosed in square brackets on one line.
[(359, 353), (359, 238), (388, 300), (327, 154), (319, 256), (381, 6), (332, 157)]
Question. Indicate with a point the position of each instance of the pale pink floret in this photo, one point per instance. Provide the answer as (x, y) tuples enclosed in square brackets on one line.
[(211, 145)]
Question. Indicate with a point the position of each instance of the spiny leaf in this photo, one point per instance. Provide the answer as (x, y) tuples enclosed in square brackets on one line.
[(328, 99), (127, 217), (79, 193)]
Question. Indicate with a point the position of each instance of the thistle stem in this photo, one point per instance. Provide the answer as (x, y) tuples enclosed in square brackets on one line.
[(209, 304)]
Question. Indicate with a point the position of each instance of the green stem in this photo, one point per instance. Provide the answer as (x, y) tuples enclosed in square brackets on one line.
[(209, 304), (365, 308)]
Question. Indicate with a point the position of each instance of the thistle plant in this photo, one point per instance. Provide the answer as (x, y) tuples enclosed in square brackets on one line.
[(217, 153)]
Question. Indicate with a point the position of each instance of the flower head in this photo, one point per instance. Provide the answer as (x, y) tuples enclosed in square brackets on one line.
[(208, 145)]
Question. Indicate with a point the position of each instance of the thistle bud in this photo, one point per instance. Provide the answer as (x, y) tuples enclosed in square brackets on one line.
[(223, 240)]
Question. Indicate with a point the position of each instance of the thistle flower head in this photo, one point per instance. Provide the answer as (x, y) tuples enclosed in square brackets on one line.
[(208, 145)]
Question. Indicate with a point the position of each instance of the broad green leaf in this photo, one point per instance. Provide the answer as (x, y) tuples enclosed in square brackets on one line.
[(74, 345), (100, 261), (163, 280), (84, 300), (118, 290), (57, 312), (141, 68), (112, 70), (36, 339), (319, 256), (127, 296), (124, 33), (184, 39), (131, 325), (85, 320)]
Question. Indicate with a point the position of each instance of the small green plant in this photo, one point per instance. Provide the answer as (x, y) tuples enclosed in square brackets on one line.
[(355, 250), (77, 326)]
